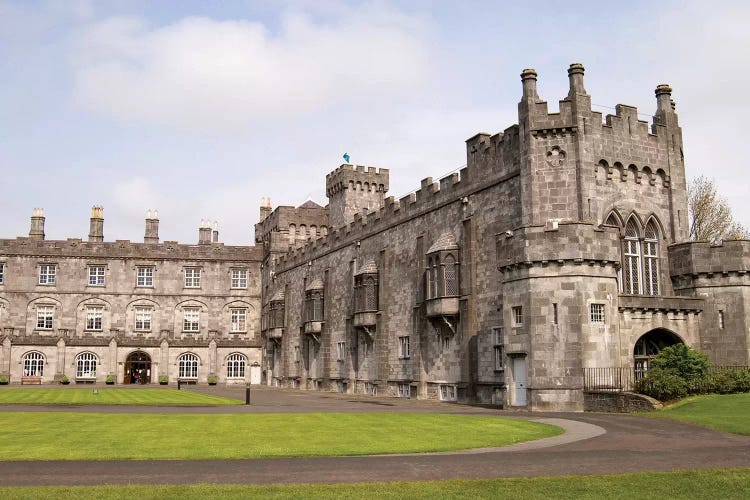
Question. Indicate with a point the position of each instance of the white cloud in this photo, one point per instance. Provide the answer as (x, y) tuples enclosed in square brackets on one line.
[(204, 73)]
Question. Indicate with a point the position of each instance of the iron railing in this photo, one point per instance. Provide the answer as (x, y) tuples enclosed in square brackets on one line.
[(624, 378)]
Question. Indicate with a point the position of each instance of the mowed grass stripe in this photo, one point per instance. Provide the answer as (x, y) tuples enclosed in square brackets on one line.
[(708, 484), (86, 436), (724, 412), (76, 396)]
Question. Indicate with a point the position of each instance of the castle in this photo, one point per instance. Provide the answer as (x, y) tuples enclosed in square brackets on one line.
[(561, 246)]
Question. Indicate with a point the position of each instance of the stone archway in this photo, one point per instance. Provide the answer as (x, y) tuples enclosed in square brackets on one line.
[(649, 346), (137, 368)]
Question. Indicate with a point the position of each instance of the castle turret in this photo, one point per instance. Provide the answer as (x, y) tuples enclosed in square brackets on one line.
[(152, 227), (351, 190), (36, 232), (96, 224)]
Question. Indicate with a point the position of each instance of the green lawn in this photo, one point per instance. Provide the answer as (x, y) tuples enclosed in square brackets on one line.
[(724, 412), (75, 396), (87, 436), (708, 484)]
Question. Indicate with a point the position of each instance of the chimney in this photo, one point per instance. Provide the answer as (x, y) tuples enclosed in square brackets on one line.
[(575, 78), (528, 81), (216, 232), (96, 226), (152, 227), (37, 224), (265, 208), (204, 233)]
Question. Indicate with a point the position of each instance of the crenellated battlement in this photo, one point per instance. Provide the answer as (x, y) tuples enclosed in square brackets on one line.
[(357, 178), (709, 260)]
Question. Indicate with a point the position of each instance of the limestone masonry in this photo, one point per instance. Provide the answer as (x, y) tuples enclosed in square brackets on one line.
[(560, 247)]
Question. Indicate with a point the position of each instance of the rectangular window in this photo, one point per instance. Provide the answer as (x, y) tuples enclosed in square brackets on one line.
[(517, 313), (192, 277), (144, 276), (404, 390), (2, 272), (296, 354), (47, 274), (499, 358), (341, 351), (239, 278), (721, 320), (597, 313), (403, 347), (44, 317), (96, 275), (143, 319), (498, 348), (448, 392), (554, 313), (94, 318), (497, 334), (445, 342), (239, 320), (191, 319)]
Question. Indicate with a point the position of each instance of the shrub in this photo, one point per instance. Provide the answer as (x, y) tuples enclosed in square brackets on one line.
[(110, 380), (64, 380), (664, 385), (727, 381), (211, 380), (163, 380), (683, 361), (4, 380)]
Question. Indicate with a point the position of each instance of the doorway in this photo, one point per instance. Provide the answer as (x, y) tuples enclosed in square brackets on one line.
[(519, 397), (137, 368), (649, 346)]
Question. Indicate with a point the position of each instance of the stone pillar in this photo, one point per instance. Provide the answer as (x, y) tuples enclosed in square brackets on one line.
[(96, 225), (152, 227), (36, 232)]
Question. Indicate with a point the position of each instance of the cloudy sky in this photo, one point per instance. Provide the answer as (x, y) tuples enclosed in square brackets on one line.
[(199, 109)]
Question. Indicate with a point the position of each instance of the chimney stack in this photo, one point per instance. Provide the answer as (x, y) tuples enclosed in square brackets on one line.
[(152, 227), (37, 224), (528, 82), (96, 227), (204, 233), (265, 208), (575, 79), (216, 232)]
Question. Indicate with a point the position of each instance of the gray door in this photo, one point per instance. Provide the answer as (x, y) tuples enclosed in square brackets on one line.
[(519, 382)]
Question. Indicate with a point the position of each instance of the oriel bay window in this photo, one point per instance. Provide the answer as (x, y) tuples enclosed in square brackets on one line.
[(442, 277), (366, 295), (276, 315), (314, 299)]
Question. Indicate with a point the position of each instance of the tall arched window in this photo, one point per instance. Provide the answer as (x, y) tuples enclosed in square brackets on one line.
[(632, 259), (188, 366), (433, 278), (33, 364), (651, 260), (86, 365), (236, 365)]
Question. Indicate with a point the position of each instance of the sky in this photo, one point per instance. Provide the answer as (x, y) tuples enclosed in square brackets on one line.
[(199, 109)]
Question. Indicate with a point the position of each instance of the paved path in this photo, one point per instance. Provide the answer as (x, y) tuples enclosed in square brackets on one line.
[(593, 444)]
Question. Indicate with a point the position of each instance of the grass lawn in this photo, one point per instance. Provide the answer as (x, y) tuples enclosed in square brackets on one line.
[(709, 484), (724, 412), (87, 436), (75, 396)]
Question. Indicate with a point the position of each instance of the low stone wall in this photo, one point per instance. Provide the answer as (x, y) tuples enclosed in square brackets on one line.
[(618, 402)]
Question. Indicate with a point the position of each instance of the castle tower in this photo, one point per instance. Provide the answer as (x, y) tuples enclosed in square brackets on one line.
[(351, 190), (96, 224), (36, 232), (152, 227)]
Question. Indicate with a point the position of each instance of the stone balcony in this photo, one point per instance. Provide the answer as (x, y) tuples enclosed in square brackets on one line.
[(275, 333), (365, 318), (313, 326), (442, 306)]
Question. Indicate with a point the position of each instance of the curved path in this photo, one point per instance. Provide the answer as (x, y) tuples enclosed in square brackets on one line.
[(593, 444)]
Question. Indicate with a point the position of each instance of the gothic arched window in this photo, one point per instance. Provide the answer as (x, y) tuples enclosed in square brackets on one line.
[(631, 259), (651, 260)]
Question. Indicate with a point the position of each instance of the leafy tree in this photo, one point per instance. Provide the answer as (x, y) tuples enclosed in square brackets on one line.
[(710, 215), (683, 361)]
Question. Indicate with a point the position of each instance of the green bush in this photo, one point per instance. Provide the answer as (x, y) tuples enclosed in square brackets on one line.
[(664, 385), (64, 380), (683, 361), (110, 380), (211, 380), (727, 381), (4, 380), (163, 380)]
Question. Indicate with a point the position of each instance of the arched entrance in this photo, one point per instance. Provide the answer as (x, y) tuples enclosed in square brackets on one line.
[(649, 346), (138, 368)]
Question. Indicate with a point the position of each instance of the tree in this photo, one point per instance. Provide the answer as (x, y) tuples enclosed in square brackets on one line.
[(710, 215)]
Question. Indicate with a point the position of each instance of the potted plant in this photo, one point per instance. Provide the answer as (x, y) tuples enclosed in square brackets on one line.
[(4, 380), (64, 380), (110, 380), (163, 380), (211, 380)]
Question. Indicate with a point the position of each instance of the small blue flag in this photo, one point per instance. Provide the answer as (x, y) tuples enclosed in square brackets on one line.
[(346, 157)]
